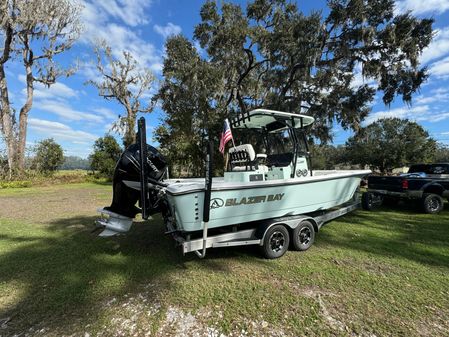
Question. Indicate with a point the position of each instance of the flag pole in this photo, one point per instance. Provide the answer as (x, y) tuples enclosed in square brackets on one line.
[(230, 128)]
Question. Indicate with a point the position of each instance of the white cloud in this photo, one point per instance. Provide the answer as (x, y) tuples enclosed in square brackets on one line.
[(445, 133), (398, 112), (109, 114), (58, 131), (438, 47), (65, 111), (422, 7), (131, 12), (440, 68), (121, 38), (437, 95), (99, 19), (56, 90), (434, 117), (419, 113), (167, 30)]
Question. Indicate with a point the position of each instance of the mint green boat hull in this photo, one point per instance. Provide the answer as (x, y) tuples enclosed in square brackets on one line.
[(233, 203)]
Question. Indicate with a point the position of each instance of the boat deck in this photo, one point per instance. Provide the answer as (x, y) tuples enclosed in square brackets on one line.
[(189, 185)]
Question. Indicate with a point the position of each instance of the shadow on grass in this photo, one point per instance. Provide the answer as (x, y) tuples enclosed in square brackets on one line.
[(399, 231), (66, 274), (63, 274)]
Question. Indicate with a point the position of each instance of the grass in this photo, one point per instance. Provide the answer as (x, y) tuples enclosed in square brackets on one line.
[(369, 273)]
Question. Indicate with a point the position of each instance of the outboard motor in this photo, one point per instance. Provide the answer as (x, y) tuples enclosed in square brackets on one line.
[(137, 177), (126, 182)]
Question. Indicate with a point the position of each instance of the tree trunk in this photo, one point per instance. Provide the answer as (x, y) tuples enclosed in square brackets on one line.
[(7, 122), (130, 134), (23, 119)]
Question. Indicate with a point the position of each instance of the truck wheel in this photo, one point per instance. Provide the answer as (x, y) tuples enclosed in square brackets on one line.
[(303, 236), (432, 203), (367, 201), (275, 242)]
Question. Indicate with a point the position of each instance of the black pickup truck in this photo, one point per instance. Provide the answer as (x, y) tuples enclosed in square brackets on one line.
[(426, 183)]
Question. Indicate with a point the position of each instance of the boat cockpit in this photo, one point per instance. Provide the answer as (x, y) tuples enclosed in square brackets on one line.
[(272, 145)]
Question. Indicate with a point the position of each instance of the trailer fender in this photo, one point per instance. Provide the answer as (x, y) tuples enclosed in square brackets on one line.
[(289, 224)]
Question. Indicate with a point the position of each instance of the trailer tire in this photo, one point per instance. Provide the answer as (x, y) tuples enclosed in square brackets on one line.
[(275, 242), (432, 203), (367, 201), (303, 236)]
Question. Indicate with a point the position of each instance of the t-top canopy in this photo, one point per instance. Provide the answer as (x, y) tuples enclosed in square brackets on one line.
[(271, 120)]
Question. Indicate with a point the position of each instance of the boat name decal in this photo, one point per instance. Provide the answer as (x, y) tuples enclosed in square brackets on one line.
[(217, 202)]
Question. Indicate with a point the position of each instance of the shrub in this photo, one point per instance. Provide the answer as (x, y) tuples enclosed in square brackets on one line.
[(106, 154), (49, 156)]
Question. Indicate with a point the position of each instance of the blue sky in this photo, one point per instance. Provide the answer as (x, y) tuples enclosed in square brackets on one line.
[(74, 115)]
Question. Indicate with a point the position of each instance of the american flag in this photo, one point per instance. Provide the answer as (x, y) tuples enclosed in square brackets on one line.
[(226, 136)]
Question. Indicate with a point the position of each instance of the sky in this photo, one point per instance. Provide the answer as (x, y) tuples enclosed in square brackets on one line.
[(75, 116)]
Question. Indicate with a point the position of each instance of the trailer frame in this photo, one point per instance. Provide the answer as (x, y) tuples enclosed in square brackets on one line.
[(257, 234)]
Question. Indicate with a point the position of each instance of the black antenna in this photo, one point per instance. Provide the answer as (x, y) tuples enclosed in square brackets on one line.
[(142, 141)]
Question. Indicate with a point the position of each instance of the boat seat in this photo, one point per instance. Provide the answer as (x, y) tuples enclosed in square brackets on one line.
[(280, 159), (243, 158)]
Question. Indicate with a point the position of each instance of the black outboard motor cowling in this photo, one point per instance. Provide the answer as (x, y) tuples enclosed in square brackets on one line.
[(128, 168)]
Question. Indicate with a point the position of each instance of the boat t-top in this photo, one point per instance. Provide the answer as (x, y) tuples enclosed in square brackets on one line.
[(268, 194)]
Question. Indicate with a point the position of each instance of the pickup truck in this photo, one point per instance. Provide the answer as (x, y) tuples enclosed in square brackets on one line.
[(426, 183)]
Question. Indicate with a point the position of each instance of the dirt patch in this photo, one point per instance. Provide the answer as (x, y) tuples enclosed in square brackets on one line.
[(437, 325), (51, 204)]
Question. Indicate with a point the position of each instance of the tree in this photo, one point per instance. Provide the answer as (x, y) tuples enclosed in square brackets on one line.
[(49, 156), (105, 155), (189, 94), (389, 143), (326, 157), (274, 56), (33, 33), (127, 83), (442, 153)]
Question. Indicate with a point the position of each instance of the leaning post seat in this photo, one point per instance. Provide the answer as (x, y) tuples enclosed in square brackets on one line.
[(243, 157)]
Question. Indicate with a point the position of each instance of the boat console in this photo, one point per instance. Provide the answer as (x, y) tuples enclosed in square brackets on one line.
[(283, 154)]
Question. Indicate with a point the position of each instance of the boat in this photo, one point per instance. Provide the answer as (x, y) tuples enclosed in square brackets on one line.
[(270, 178)]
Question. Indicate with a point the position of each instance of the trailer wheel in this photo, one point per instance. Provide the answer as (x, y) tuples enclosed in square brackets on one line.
[(303, 236), (432, 203), (275, 242), (367, 201)]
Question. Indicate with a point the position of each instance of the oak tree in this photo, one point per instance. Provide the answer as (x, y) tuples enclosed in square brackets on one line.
[(390, 143), (326, 64)]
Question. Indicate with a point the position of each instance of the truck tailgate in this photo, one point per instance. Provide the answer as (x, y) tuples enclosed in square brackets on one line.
[(393, 184)]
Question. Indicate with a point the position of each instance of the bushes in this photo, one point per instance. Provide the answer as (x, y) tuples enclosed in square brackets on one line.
[(15, 184), (105, 156), (49, 156)]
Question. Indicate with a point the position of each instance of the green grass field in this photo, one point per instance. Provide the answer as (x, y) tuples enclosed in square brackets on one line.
[(381, 273)]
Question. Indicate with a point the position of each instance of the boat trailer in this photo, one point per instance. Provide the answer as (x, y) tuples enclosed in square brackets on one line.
[(274, 235), (258, 234)]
